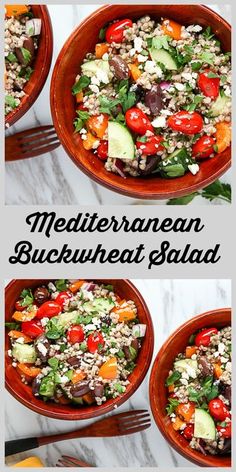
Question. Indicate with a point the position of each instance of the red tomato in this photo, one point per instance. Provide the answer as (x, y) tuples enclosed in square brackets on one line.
[(95, 341), (218, 410), (62, 297), (18, 306), (204, 337), (188, 432), (102, 150), (33, 329), (81, 107), (48, 309), (151, 146), (75, 334), (203, 147), (115, 32), (186, 122), (137, 121), (225, 430), (209, 86)]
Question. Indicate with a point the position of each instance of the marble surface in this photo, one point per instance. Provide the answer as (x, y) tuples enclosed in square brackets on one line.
[(53, 178), (171, 303)]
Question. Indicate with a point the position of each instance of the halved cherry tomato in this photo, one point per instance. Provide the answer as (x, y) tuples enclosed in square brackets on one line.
[(186, 122), (137, 121), (102, 150), (188, 432), (18, 306), (95, 341), (62, 297), (203, 147), (82, 107), (218, 409), (204, 337), (225, 430), (48, 309), (209, 86), (151, 146), (115, 32), (32, 328), (75, 334)]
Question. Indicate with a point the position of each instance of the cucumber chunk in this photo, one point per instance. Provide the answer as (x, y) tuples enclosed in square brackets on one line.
[(24, 353), (204, 426), (219, 105), (91, 68), (120, 141), (189, 366), (65, 319), (103, 305), (164, 57)]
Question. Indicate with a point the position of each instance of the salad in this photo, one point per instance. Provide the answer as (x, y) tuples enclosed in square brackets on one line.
[(75, 341), (154, 97), (199, 391), (22, 31)]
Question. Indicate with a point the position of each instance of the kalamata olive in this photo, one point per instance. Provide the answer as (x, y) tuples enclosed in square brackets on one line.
[(153, 99), (119, 67), (226, 447), (225, 390), (151, 165), (135, 344), (140, 93), (42, 347), (205, 366), (80, 388), (129, 351), (74, 361), (24, 58), (36, 385), (98, 390), (41, 295), (106, 320)]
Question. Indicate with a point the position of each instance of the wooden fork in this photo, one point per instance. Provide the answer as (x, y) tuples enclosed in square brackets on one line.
[(68, 461), (30, 143), (129, 422)]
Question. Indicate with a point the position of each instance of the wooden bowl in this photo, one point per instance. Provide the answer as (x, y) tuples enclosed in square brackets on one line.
[(23, 393), (63, 105), (175, 344), (41, 66)]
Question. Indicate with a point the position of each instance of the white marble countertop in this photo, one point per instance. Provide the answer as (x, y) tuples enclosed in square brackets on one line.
[(171, 303), (53, 178)]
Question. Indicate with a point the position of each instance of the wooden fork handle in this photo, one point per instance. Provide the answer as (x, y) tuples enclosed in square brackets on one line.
[(20, 445)]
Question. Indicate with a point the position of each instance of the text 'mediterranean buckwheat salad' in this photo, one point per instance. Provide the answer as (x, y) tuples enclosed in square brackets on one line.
[(75, 341), (154, 98)]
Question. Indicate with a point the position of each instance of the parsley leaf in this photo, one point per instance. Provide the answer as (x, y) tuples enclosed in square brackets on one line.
[(196, 65), (127, 98), (192, 106), (26, 297), (80, 120), (26, 72), (173, 378), (12, 326), (82, 83), (182, 200), (107, 104), (172, 405), (207, 57), (217, 189), (161, 42), (10, 101), (61, 285), (207, 34), (102, 33)]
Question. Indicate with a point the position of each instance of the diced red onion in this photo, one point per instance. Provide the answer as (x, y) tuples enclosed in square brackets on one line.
[(33, 27), (139, 330), (89, 286), (165, 85), (119, 166)]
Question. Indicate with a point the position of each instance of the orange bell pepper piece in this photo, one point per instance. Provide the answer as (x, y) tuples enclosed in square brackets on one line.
[(135, 71), (77, 376), (109, 369), (126, 315), (178, 423), (171, 388), (218, 370), (88, 398), (100, 49), (14, 334), (28, 371), (171, 28), (223, 136), (75, 286), (190, 350), (79, 97), (16, 10), (185, 411), (89, 141), (24, 315), (97, 124), (63, 400)]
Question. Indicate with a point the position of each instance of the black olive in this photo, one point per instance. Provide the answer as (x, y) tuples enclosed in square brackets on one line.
[(25, 59), (153, 99), (98, 390), (119, 67), (205, 366), (80, 388), (151, 165), (42, 347), (74, 361), (41, 295)]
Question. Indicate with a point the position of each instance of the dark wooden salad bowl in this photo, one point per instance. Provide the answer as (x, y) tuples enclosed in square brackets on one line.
[(23, 393), (41, 66), (175, 344), (63, 104)]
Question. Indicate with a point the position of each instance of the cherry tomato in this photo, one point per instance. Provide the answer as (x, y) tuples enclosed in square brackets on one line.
[(225, 430), (209, 86), (188, 432), (95, 341), (151, 146), (218, 410), (48, 309), (137, 121), (75, 334), (115, 32), (81, 107), (62, 297), (204, 337), (203, 147), (186, 122), (102, 150), (18, 306), (33, 328)]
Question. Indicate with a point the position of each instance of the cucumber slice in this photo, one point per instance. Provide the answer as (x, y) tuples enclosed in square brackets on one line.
[(204, 426), (219, 105), (103, 305), (189, 366), (164, 57), (91, 68), (120, 141), (65, 319), (24, 353)]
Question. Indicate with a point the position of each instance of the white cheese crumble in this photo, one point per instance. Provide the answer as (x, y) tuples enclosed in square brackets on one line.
[(151, 68), (194, 168), (159, 122)]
